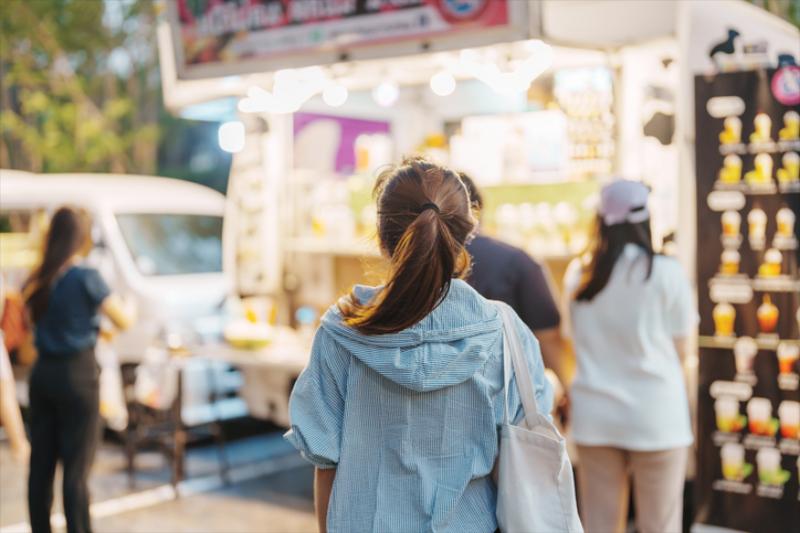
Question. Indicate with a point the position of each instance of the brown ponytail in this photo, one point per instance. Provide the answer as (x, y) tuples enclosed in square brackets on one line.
[(424, 219), (70, 232)]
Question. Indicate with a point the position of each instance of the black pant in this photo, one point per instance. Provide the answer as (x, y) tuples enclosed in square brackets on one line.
[(64, 419)]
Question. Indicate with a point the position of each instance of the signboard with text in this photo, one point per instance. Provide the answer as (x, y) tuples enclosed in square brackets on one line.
[(222, 37)]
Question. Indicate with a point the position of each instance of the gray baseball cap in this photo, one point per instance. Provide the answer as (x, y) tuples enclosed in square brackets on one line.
[(624, 201)]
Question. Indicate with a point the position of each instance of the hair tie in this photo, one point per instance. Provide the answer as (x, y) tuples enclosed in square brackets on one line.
[(429, 205)]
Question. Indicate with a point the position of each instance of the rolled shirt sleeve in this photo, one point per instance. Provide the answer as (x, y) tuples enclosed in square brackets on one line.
[(96, 287), (316, 405)]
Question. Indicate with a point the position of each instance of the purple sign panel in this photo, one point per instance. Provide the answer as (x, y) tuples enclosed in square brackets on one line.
[(328, 142)]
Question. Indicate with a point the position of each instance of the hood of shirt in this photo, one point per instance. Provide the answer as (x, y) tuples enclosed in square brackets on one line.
[(445, 348)]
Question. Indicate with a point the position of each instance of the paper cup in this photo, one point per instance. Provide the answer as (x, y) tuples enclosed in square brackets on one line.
[(730, 260), (791, 118), (763, 167), (773, 256), (732, 456), (731, 223), (768, 461), (791, 167), (791, 123), (731, 169), (763, 127), (789, 415), (759, 415), (788, 354), (732, 133), (724, 316), (767, 315), (773, 260), (785, 219), (726, 409), (757, 224), (744, 351)]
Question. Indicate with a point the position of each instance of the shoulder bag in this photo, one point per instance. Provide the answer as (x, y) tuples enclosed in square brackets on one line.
[(535, 487)]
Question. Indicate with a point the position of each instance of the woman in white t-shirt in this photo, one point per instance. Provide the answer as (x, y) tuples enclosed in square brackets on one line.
[(630, 311)]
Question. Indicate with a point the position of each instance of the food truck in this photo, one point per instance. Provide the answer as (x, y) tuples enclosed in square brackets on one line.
[(541, 105)]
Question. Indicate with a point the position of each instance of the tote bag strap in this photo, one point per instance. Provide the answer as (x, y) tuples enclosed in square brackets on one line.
[(514, 361)]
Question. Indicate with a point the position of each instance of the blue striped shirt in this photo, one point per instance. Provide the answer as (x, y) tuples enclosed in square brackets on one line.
[(410, 420)]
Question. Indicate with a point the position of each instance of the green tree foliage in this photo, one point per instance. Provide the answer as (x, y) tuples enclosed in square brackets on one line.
[(80, 88), (788, 9)]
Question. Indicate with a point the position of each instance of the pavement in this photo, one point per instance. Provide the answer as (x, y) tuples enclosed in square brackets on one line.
[(270, 490)]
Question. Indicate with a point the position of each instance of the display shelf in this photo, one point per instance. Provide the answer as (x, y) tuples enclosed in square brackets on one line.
[(782, 284), (757, 190), (726, 343), (777, 284)]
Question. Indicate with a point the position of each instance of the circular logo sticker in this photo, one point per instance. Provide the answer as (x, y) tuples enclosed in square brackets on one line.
[(462, 10), (786, 85)]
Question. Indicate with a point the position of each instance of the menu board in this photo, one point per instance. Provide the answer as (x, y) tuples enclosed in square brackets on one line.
[(222, 37), (748, 200)]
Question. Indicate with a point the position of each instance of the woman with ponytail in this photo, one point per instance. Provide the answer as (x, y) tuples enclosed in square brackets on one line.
[(400, 404), (65, 300)]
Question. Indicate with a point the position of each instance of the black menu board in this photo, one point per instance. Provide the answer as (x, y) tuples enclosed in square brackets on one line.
[(748, 215)]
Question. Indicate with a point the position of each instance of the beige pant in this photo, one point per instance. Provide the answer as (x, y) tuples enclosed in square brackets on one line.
[(603, 481)]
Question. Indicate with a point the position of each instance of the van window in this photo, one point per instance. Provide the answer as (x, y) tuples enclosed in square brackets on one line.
[(15, 221), (172, 244)]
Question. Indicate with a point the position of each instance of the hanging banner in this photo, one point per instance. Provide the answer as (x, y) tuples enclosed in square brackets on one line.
[(218, 37), (748, 220)]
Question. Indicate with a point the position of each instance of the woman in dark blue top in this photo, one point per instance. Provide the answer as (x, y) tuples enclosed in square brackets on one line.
[(65, 300)]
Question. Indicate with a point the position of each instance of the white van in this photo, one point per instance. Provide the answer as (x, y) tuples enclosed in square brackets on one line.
[(158, 241)]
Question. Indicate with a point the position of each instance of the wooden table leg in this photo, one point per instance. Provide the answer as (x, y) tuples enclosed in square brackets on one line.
[(179, 436), (216, 424)]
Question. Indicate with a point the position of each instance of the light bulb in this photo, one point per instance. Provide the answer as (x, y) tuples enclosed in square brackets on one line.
[(334, 94), (443, 83), (231, 136), (386, 94)]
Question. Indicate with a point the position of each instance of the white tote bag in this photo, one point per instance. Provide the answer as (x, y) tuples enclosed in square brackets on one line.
[(536, 491)]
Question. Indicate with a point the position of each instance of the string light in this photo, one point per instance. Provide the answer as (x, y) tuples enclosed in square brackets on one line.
[(518, 78), (386, 94), (443, 83), (334, 94), (231, 136)]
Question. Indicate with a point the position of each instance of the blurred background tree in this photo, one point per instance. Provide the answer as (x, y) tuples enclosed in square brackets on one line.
[(788, 9), (80, 89)]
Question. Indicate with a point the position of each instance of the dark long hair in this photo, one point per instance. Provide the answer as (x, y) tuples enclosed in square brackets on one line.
[(424, 219), (607, 246), (69, 233)]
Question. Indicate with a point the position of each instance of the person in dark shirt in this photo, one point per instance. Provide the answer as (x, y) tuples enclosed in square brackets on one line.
[(65, 300), (506, 273)]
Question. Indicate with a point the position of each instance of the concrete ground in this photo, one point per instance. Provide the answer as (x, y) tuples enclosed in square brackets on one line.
[(270, 490)]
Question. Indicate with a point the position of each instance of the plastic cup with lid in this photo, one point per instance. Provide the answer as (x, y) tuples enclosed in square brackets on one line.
[(744, 351), (789, 415)]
